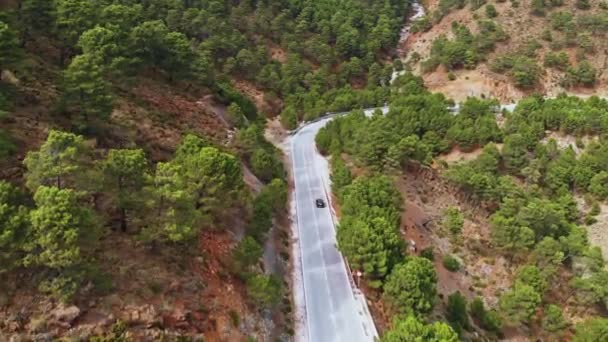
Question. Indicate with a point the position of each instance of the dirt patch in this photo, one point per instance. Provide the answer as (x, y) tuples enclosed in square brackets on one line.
[(597, 233), (564, 141), (427, 197), (277, 53), (160, 115), (458, 156), (268, 105)]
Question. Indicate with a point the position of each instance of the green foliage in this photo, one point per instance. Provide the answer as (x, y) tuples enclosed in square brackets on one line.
[(176, 216), (519, 304), (422, 24), (59, 162), (261, 220), (73, 17), (450, 263), (263, 158), (538, 7), (561, 20), (61, 231), (594, 329), (372, 245), (86, 93), (117, 333), (488, 320), (514, 151), (235, 115), (475, 125), (583, 4), (372, 196), (193, 189), (523, 69), (559, 61), (190, 145), (453, 220), (7, 146), (598, 185), (9, 46), (340, 174), (36, 15), (265, 291), (428, 253), (229, 96), (553, 320), (265, 165), (103, 52), (411, 286), (412, 329), (466, 50), (592, 289), (583, 74), (531, 275), (491, 11), (14, 226), (154, 44), (456, 312), (125, 174), (246, 254), (276, 193), (368, 233)]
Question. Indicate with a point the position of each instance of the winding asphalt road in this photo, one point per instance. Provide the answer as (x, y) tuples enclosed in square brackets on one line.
[(334, 310)]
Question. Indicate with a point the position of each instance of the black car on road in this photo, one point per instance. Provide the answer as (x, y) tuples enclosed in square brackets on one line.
[(320, 203)]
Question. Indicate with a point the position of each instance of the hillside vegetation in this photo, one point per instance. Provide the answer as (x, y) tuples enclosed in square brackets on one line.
[(523, 191), (508, 49), (138, 192)]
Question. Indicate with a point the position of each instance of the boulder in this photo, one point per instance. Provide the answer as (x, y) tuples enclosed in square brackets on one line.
[(66, 314), (142, 315)]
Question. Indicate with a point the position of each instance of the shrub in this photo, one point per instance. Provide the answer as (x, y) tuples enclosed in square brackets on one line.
[(583, 4), (583, 74), (559, 61), (428, 253), (491, 11), (450, 263), (235, 318), (488, 320), (561, 20), (453, 220), (456, 312), (264, 290), (538, 7), (422, 25), (524, 70)]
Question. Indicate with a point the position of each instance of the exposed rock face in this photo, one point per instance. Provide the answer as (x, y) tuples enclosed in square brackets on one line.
[(66, 314), (142, 315)]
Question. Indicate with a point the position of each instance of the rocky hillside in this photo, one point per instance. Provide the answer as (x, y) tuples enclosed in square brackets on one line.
[(510, 49)]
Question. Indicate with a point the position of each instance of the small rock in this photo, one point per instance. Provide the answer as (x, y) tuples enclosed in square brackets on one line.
[(144, 315), (16, 338), (83, 332), (44, 337), (174, 286), (181, 315), (13, 326), (66, 314)]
